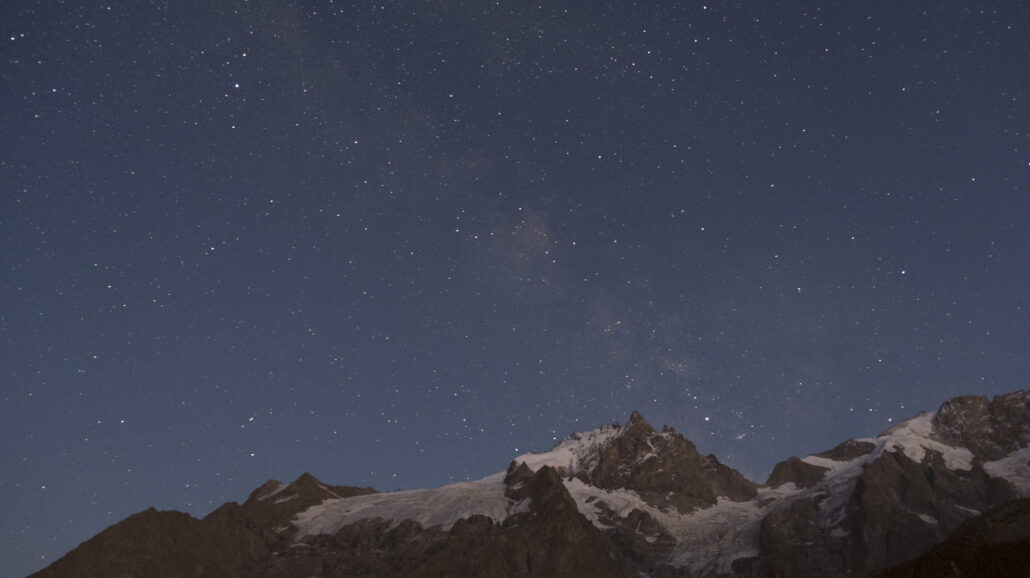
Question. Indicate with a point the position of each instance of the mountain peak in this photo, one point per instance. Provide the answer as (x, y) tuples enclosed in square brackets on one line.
[(637, 422), (664, 468)]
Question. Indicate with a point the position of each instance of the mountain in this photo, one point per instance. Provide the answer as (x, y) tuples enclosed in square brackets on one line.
[(940, 491)]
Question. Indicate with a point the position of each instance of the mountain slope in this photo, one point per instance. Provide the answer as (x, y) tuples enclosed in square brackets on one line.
[(615, 501), (996, 543), (229, 542)]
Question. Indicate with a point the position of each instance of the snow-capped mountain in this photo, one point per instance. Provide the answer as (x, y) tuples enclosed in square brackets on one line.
[(623, 501)]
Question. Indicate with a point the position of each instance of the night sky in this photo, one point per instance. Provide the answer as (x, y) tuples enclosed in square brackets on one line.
[(397, 244)]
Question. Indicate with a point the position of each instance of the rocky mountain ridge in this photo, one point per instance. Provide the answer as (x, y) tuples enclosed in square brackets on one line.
[(616, 501)]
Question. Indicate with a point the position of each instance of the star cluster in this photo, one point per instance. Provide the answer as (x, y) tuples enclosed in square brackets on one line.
[(398, 243)]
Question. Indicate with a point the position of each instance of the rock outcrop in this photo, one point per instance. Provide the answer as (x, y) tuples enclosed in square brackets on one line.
[(794, 470), (665, 469), (991, 429)]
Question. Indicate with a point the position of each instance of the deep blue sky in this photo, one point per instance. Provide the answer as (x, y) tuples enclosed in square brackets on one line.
[(398, 244)]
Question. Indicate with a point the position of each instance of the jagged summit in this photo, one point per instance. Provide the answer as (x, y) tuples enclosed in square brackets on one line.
[(306, 488), (991, 429), (613, 501), (637, 422), (665, 469)]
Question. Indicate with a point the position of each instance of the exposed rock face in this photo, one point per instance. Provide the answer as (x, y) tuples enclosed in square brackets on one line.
[(990, 429), (996, 543), (665, 469), (802, 474), (901, 508), (848, 450), (629, 501), (160, 544), (805, 475), (791, 544)]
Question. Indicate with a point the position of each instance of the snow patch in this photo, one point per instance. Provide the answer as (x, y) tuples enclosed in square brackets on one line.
[(589, 498), (324, 487), (913, 437), (441, 507), (970, 510), (928, 519), (278, 489), (522, 507), (1014, 468), (577, 453), (846, 467)]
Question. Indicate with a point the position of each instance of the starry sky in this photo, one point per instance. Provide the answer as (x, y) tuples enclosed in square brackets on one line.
[(399, 243)]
